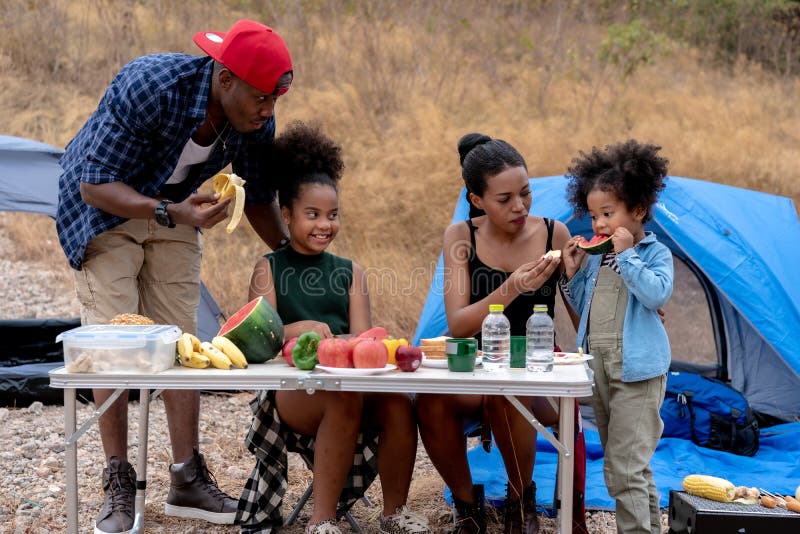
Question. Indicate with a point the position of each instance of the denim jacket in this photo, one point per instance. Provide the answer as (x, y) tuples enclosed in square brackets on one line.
[(646, 269)]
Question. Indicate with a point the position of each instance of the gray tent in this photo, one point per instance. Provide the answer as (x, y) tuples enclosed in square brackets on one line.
[(29, 174)]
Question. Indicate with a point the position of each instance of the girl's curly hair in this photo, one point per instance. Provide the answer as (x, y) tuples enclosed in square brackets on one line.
[(303, 155), (631, 170)]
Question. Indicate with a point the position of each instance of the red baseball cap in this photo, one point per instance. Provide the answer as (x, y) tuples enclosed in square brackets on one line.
[(253, 52)]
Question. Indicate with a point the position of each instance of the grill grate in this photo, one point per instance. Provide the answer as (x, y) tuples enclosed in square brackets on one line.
[(708, 505)]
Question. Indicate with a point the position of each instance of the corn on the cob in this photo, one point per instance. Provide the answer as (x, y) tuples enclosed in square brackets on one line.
[(717, 489)]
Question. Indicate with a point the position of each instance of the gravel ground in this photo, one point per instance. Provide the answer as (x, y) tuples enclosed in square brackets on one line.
[(32, 472), (32, 450)]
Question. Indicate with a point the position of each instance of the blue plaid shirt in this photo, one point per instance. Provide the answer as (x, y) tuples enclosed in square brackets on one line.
[(136, 136)]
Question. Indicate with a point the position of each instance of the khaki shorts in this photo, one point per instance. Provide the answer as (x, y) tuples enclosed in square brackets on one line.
[(142, 267)]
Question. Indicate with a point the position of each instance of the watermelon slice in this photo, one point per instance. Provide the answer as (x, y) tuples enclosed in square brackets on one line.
[(599, 244), (256, 329)]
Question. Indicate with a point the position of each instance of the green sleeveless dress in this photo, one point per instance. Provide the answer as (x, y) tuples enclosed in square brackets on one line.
[(312, 288)]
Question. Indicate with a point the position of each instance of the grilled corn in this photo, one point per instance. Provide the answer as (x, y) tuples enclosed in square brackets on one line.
[(714, 488)]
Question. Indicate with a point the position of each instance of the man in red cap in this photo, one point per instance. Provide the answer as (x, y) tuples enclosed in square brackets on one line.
[(129, 220)]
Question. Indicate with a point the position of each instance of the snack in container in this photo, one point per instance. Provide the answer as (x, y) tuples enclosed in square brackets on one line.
[(119, 348)]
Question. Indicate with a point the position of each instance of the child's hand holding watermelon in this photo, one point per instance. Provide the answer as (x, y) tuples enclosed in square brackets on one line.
[(572, 256)]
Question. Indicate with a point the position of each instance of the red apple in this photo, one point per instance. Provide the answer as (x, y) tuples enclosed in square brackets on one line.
[(370, 353), (408, 358), (334, 352), (353, 341), (376, 332), (286, 351)]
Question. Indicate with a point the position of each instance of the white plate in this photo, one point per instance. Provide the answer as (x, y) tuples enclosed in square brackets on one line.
[(439, 363), (571, 358), (436, 363), (349, 371)]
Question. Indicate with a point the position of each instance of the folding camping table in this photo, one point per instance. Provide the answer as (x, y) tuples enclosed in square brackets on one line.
[(566, 383)]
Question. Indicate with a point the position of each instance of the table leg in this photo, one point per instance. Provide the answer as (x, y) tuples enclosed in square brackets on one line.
[(141, 461), (566, 434), (71, 460)]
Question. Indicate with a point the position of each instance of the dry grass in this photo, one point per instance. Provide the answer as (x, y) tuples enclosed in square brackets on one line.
[(397, 84)]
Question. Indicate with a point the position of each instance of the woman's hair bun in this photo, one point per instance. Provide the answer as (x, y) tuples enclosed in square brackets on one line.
[(470, 141)]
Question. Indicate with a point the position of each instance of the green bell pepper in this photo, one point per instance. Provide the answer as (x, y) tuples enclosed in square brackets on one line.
[(304, 353)]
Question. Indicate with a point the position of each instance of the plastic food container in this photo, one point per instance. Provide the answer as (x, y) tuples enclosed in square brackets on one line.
[(119, 348)]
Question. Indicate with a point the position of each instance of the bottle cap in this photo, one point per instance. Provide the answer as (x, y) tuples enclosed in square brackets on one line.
[(496, 307), (540, 308)]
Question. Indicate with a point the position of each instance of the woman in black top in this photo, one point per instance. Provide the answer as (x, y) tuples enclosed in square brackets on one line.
[(495, 257), (484, 280)]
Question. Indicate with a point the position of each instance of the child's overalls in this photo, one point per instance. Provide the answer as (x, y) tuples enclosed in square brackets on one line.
[(627, 412)]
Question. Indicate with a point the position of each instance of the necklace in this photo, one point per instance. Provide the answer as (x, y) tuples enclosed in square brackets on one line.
[(219, 134)]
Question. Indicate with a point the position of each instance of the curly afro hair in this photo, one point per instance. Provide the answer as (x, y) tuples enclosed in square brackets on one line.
[(631, 170), (303, 155)]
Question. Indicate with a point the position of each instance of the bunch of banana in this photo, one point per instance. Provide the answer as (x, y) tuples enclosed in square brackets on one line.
[(189, 352), (230, 185), (221, 353)]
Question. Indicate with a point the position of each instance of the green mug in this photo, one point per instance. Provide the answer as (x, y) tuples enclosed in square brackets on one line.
[(461, 354), (518, 347)]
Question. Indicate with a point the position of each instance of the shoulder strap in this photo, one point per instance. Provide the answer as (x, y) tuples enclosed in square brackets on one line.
[(549, 223), (688, 395)]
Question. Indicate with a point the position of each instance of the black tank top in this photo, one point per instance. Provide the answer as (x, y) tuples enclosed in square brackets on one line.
[(484, 280)]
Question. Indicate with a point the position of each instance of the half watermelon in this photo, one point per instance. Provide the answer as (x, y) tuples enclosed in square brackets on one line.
[(599, 244), (256, 329)]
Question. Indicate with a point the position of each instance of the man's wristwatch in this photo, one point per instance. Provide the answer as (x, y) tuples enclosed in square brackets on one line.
[(162, 215)]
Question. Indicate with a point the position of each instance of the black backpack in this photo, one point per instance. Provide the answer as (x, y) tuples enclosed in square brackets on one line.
[(710, 413)]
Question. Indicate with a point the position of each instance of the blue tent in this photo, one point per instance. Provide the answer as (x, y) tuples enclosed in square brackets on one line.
[(734, 240)]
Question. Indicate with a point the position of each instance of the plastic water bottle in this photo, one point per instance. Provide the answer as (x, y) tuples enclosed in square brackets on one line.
[(496, 339), (539, 340)]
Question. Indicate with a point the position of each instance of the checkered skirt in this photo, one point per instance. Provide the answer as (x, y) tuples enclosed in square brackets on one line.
[(270, 441)]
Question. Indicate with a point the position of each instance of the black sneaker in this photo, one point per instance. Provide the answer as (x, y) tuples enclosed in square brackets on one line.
[(193, 494), (119, 485)]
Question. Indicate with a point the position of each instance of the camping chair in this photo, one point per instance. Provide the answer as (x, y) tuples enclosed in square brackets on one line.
[(301, 502)]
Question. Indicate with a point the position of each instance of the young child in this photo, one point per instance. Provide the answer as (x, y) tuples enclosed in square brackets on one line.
[(338, 433), (618, 296)]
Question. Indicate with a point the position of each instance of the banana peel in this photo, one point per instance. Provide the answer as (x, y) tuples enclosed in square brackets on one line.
[(230, 185)]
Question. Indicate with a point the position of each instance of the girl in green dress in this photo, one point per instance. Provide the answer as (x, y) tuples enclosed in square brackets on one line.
[(314, 290)]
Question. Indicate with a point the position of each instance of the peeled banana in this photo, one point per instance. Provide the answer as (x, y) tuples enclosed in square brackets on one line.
[(231, 351), (217, 357), (230, 185)]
